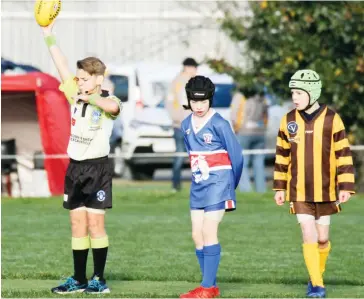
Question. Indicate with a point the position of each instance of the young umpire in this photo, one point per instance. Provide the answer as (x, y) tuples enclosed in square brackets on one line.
[(88, 182)]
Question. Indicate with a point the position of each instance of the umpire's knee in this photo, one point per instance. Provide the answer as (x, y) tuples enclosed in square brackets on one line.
[(78, 223), (96, 225)]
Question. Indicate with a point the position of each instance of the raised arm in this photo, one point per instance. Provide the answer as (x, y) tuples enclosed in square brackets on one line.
[(58, 57)]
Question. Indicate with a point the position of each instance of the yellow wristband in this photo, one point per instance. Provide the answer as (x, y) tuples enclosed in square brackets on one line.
[(50, 40)]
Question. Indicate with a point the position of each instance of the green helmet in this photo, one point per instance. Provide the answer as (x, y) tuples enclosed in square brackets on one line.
[(308, 81)]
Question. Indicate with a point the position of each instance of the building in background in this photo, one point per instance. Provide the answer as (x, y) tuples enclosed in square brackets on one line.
[(119, 31)]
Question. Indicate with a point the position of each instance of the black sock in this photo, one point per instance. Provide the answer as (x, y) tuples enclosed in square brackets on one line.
[(80, 262), (99, 256)]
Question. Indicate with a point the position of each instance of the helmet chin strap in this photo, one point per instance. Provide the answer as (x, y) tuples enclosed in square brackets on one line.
[(309, 106)]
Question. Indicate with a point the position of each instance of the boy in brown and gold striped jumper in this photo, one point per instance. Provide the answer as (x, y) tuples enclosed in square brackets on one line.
[(313, 171)]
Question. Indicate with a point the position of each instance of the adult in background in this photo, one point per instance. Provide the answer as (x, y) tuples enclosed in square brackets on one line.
[(175, 101), (249, 114)]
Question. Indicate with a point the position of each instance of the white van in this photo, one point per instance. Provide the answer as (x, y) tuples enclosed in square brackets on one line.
[(147, 127)]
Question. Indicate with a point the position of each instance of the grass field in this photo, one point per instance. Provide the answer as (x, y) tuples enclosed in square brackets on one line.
[(152, 254)]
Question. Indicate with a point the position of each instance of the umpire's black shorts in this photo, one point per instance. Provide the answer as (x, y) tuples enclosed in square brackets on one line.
[(88, 184)]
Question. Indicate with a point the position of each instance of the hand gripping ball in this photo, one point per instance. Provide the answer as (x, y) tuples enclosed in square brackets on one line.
[(46, 11)]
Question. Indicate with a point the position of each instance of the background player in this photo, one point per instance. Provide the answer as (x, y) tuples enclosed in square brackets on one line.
[(216, 164), (313, 162)]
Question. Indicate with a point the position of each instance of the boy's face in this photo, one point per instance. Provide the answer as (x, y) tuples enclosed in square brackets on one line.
[(200, 108), (86, 82), (300, 98)]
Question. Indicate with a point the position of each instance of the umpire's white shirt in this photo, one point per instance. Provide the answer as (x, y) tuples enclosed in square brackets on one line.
[(90, 126)]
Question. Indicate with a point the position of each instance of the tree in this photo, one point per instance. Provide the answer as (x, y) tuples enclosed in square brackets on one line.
[(281, 37), (278, 38)]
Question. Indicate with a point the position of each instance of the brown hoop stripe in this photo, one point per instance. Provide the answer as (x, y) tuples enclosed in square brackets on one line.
[(282, 135), (347, 186), (281, 167), (344, 152), (280, 184), (345, 169), (339, 135), (282, 151)]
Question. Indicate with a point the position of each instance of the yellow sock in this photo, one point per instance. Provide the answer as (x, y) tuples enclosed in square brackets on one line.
[(81, 243), (312, 260), (324, 254)]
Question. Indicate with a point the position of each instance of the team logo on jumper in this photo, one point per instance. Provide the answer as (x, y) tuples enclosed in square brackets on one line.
[(207, 137), (292, 127), (200, 169), (95, 116), (101, 195), (188, 131), (73, 121)]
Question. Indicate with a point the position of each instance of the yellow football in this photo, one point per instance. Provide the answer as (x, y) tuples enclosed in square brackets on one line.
[(46, 11)]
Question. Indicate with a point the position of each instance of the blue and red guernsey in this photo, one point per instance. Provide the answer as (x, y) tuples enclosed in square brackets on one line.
[(216, 161)]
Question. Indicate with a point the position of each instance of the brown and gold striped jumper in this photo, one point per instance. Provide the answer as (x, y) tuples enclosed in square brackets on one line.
[(313, 158)]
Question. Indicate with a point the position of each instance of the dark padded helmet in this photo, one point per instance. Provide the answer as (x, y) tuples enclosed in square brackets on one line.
[(199, 88)]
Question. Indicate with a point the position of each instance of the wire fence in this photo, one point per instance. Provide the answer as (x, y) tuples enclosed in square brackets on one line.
[(354, 148)]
